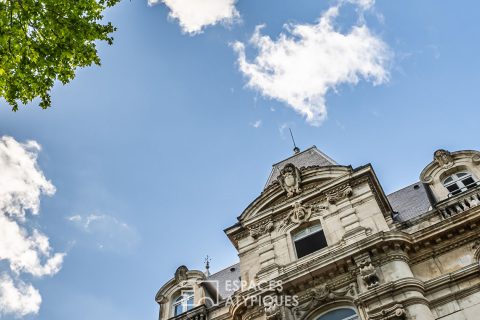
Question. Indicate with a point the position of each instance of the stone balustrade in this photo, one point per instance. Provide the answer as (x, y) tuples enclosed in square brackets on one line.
[(460, 203)]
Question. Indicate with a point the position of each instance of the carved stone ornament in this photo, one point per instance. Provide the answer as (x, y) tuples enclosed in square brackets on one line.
[(261, 229), (290, 180), (394, 312), (367, 271), (369, 275), (181, 274), (476, 159), (300, 214), (443, 158), (160, 299), (337, 195), (272, 312), (320, 296)]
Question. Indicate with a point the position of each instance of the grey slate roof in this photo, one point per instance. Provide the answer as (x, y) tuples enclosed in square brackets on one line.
[(410, 201), (231, 274), (309, 157)]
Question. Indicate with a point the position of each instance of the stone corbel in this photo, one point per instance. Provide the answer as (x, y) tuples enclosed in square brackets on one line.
[(367, 270)]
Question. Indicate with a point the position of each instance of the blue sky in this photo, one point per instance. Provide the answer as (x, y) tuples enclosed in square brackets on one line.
[(158, 150)]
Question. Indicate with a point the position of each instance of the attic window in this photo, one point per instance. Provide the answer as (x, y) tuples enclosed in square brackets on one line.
[(183, 303), (309, 240), (459, 182)]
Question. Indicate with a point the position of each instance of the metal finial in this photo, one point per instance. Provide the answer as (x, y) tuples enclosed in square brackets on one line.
[(207, 265), (295, 148)]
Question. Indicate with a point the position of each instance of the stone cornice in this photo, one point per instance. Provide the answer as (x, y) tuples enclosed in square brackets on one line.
[(397, 286), (462, 274)]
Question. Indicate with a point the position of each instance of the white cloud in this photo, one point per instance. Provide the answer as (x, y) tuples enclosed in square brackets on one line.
[(18, 298), (22, 181), (257, 124), (194, 15), (309, 60), (106, 231), (22, 249)]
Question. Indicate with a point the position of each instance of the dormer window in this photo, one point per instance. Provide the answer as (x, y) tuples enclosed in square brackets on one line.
[(309, 240), (183, 303), (459, 182)]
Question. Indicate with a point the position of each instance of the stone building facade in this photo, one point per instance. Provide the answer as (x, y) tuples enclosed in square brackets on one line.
[(336, 247)]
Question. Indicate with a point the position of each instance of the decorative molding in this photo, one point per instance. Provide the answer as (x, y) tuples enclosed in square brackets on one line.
[(290, 180), (443, 158), (476, 159), (396, 311), (368, 273), (300, 214), (261, 228), (476, 248), (181, 274), (275, 311), (319, 296), (336, 195), (160, 299)]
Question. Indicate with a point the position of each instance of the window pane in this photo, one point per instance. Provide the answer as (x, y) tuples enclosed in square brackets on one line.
[(339, 314), (307, 231), (461, 174), (178, 309), (453, 187), (310, 244), (448, 180), (468, 182)]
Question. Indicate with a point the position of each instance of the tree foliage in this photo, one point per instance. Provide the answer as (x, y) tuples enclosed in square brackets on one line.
[(46, 40)]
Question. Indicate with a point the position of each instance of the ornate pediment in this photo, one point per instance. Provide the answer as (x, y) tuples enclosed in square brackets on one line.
[(296, 183)]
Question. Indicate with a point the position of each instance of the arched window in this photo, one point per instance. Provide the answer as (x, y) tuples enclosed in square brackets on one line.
[(308, 240), (183, 303), (339, 314), (459, 182)]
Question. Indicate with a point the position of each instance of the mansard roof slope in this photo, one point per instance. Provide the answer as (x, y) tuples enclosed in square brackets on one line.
[(410, 202), (226, 280), (309, 157)]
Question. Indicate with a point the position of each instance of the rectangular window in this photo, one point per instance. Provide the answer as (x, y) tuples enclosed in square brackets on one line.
[(309, 243)]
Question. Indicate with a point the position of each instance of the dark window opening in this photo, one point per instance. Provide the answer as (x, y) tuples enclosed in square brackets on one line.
[(309, 240), (460, 182)]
